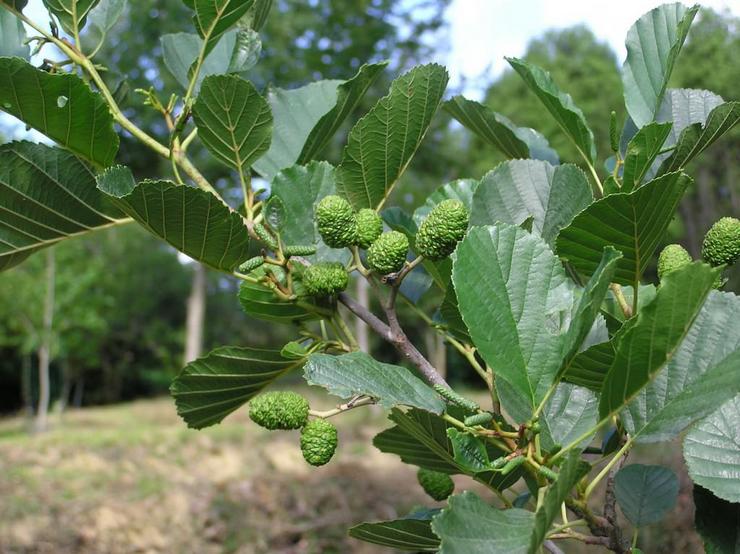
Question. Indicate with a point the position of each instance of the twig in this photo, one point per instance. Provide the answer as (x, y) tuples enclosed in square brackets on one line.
[(392, 333)]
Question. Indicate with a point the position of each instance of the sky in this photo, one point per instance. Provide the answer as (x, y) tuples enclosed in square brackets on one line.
[(482, 32)]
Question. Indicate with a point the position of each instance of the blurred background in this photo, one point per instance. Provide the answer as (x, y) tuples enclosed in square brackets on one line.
[(113, 316)]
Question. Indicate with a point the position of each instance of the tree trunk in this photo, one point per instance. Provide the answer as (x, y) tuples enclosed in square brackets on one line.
[(196, 313), (26, 387), (361, 329), (45, 346), (79, 388)]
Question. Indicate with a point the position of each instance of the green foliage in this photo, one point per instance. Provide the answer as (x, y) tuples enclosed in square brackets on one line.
[(279, 410), (437, 485), (672, 257), (442, 229), (721, 244), (325, 279), (543, 297), (318, 441)]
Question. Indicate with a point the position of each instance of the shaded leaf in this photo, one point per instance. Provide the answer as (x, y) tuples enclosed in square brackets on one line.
[(260, 302), (645, 493), (12, 36), (560, 105), (236, 52), (634, 223), (653, 44), (306, 117), (513, 305), (641, 152), (72, 14), (211, 387), (651, 338), (702, 374), (519, 189), (358, 373), (419, 438), (717, 522), (349, 95), (233, 120), (712, 451), (409, 533), (696, 137), (570, 412), (470, 526), (60, 106), (571, 471), (382, 143), (214, 17), (192, 220), (498, 131), (46, 195)]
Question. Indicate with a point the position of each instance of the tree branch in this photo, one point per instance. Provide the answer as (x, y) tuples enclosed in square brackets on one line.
[(393, 334)]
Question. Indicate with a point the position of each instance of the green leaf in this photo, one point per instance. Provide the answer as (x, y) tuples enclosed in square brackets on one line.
[(259, 12), (233, 120), (12, 36), (469, 451), (716, 522), (570, 412), (712, 451), (419, 438), (409, 533), (654, 334), (382, 143), (71, 13), (645, 493), (236, 52), (211, 387), (306, 118), (696, 137), (470, 526), (260, 302), (349, 94), (214, 17), (702, 374), (560, 105), (46, 195), (653, 44), (357, 373), (192, 220), (519, 189), (498, 131), (572, 470), (513, 294), (589, 368), (634, 223), (60, 106), (106, 14), (641, 152), (589, 305), (290, 209)]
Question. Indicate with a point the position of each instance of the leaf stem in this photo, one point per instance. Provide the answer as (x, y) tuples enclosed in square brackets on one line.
[(621, 300), (605, 470)]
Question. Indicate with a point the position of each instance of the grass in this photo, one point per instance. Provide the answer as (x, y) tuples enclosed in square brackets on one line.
[(132, 477)]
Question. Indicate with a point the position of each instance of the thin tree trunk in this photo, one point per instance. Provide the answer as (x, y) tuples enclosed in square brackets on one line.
[(361, 329), (79, 388), (45, 346), (26, 386), (196, 313), (61, 405)]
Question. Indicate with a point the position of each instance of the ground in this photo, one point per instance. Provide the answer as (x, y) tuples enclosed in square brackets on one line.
[(132, 478)]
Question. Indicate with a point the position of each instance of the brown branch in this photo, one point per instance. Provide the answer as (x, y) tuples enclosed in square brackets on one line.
[(394, 334)]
